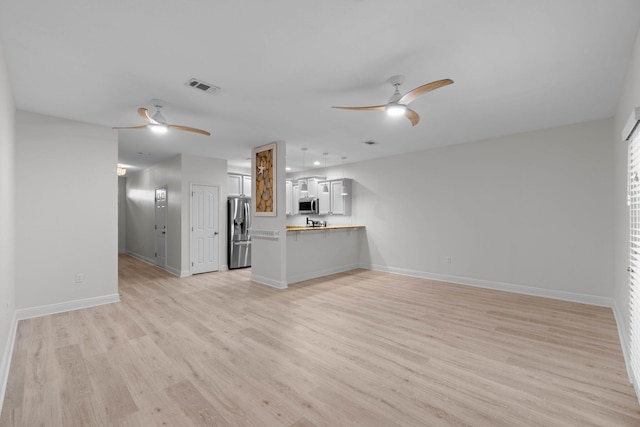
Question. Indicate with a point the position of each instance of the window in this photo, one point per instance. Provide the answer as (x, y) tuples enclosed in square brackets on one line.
[(633, 199)]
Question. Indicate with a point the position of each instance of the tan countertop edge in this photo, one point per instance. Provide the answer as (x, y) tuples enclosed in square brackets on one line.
[(330, 227)]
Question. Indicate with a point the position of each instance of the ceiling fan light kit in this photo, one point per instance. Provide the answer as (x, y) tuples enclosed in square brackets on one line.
[(398, 103), (158, 128), (396, 109)]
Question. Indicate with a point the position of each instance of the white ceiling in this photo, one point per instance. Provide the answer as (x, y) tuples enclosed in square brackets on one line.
[(518, 65)]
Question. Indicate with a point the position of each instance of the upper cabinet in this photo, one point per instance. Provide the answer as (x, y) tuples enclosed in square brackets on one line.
[(296, 196), (330, 203), (289, 197), (340, 205), (234, 185), (333, 202), (312, 187), (246, 185), (239, 185)]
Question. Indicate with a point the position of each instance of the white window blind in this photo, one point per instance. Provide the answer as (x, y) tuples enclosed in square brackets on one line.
[(633, 198)]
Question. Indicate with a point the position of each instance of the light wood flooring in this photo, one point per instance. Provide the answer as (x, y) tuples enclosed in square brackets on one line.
[(361, 348)]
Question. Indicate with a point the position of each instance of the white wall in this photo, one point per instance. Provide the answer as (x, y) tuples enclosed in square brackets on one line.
[(204, 171), (7, 224), (140, 215), (122, 213), (629, 99), (66, 211), (317, 253), (177, 173), (532, 210), (269, 255)]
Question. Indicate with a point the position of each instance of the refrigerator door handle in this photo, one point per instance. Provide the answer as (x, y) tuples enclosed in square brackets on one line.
[(247, 218)]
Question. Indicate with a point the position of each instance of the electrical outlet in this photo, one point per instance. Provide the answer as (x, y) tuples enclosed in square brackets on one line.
[(79, 277)]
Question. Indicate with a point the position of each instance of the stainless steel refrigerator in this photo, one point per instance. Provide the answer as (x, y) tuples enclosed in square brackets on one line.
[(239, 245)]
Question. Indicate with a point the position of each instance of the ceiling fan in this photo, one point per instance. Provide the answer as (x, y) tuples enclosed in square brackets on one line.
[(158, 123), (398, 103)]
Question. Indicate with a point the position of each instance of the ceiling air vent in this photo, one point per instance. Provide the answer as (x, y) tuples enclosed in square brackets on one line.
[(205, 87)]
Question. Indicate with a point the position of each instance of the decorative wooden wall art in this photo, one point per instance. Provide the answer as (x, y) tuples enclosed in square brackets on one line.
[(265, 180)]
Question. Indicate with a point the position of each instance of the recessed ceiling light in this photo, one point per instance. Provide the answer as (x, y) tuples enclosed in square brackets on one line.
[(316, 163), (288, 168)]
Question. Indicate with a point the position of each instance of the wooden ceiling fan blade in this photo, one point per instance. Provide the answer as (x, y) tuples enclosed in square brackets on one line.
[(144, 113), (188, 129), (421, 90), (373, 107), (413, 117), (129, 127)]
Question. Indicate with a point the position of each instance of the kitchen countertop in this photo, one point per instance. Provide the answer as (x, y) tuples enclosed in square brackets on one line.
[(329, 227)]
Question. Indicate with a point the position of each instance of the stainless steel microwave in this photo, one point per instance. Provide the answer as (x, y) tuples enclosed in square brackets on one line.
[(309, 205)]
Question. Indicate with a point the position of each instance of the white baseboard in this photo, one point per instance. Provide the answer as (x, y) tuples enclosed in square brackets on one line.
[(320, 273), (5, 365), (45, 310), (269, 282), (174, 271), (622, 334), (508, 287), (141, 257)]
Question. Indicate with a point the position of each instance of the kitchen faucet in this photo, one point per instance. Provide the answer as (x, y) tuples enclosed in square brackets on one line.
[(312, 223)]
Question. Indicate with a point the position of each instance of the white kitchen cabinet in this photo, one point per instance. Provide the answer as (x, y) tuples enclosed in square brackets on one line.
[(239, 185), (295, 189), (312, 187), (340, 205), (333, 202), (234, 185), (246, 185), (324, 199), (289, 197)]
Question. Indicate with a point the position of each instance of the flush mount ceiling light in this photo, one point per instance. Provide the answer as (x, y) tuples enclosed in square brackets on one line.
[(397, 104)]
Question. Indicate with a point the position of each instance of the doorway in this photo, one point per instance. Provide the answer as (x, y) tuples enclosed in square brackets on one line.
[(161, 227), (205, 236)]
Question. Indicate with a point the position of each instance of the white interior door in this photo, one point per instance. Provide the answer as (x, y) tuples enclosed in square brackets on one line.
[(205, 236), (161, 227)]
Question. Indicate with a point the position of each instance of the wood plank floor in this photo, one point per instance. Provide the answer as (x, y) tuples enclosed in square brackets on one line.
[(362, 348)]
